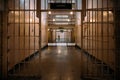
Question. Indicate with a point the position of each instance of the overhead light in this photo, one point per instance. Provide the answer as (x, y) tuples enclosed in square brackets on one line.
[(69, 30), (53, 19), (68, 19), (110, 12), (31, 20), (61, 19), (61, 23), (49, 12), (71, 12), (61, 16), (92, 20), (105, 13)]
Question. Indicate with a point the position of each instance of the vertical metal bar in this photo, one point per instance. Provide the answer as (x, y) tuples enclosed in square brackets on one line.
[(102, 41), (5, 45), (89, 43), (24, 33), (116, 10), (115, 25), (107, 34), (82, 39), (97, 34), (19, 35), (29, 29), (34, 26), (40, 37), (13, 35), (95, 46), (92, 39), (86, 36), (1, 42)]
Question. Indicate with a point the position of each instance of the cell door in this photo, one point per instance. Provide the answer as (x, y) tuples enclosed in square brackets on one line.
[(23, 39), (98, 43)]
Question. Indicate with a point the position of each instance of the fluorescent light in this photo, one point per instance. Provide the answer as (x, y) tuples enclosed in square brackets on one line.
[(68, 20), (71, 12), (62, 19), (105, 13), (49, 12), (61, 16), (54, 19), (61, 23), (110, 12)]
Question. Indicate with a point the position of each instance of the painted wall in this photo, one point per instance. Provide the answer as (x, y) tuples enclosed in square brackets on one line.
[(78, 24), (44, 37), (78, 29)]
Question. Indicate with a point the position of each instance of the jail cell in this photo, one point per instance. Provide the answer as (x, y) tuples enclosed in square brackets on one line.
[(98, 41), (97, 33), (23, 35)]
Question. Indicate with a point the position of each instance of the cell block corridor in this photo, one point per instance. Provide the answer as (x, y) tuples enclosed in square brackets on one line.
[(59, 39)]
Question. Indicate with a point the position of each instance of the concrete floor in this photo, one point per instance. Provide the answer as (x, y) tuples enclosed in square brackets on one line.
[(58, 63)]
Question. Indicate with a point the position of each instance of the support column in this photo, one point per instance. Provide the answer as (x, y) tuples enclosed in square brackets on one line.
[(4, 41), (1, 44), (39, 16), (117, 38)]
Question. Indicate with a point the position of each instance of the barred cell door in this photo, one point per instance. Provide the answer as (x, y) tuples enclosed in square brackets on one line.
[(98, 43), (23, 38)]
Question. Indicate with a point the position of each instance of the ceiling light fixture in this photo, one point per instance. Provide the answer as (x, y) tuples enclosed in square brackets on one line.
[(68, 20), (53, 19), (71, 12), (49, 12)]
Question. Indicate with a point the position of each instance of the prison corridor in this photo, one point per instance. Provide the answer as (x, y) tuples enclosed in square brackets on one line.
[(62, 63)]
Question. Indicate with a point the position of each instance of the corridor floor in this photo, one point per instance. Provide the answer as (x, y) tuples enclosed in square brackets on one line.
[(59, 63)]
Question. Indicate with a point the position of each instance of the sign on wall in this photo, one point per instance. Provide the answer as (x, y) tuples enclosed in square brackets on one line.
[(60, 5)]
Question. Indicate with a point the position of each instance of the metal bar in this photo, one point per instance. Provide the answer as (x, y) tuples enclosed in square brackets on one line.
[(14, 36), (34, 26), (19, 34), (92, 51), (102, 43), (24, 34), (29, 29), (108, 51), (40, 38), (1, 42), (56, 10), (87, 33)]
